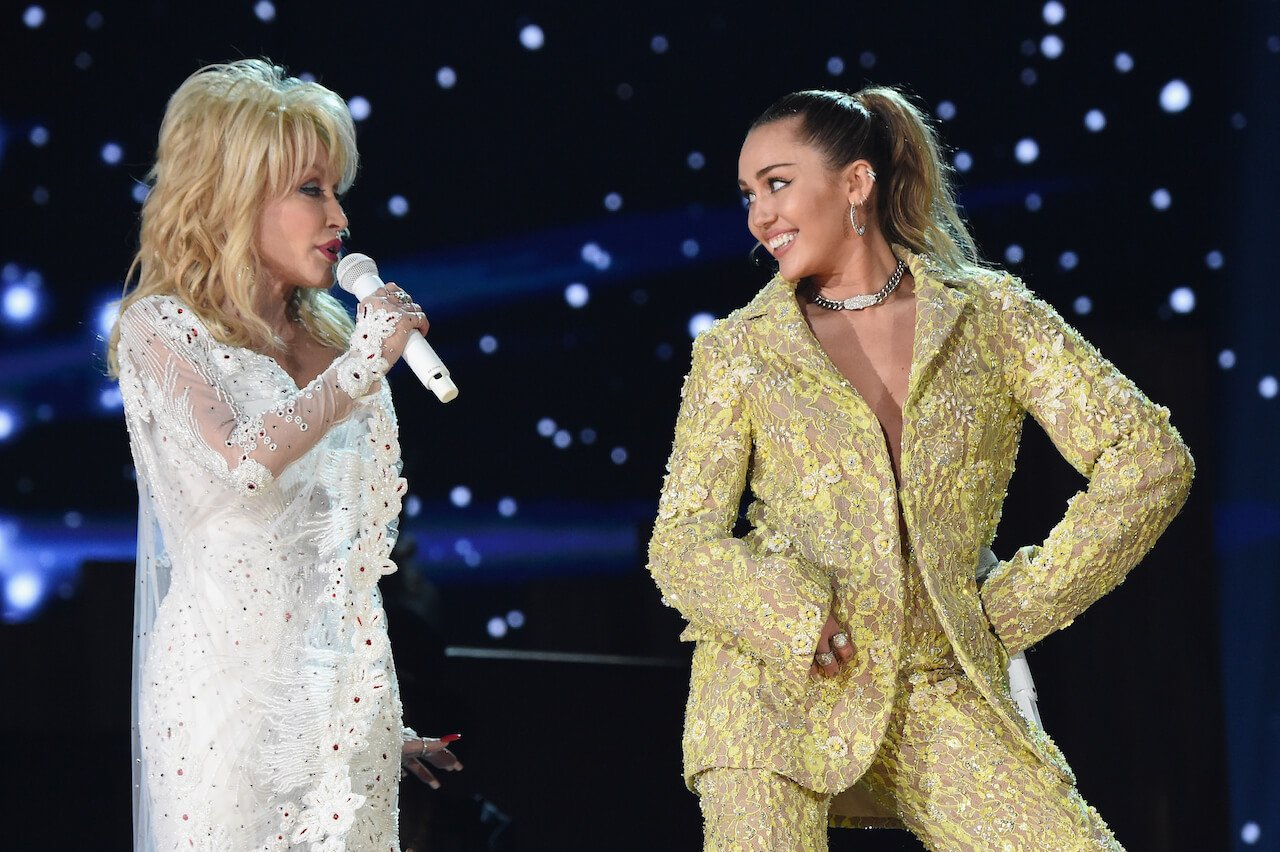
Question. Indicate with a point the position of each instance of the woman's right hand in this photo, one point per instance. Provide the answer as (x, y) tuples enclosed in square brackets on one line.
[(834, 640), (394, 300)]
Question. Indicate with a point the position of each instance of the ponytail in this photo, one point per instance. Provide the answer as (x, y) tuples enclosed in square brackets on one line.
[(915, 203)]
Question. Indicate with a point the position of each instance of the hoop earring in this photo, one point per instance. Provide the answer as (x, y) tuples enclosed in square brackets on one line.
[(853, 220), (753, 257)]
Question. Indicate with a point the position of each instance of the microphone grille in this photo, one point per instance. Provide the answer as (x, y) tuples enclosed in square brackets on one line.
[(354, 266)]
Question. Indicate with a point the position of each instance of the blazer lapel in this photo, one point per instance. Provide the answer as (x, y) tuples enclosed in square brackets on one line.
[(938, 308)]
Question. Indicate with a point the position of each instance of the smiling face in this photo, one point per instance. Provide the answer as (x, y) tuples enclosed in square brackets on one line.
[(797, 206), (298, 234)]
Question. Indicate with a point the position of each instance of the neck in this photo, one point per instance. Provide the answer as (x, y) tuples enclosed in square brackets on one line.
[(870, 263), (272, 304)]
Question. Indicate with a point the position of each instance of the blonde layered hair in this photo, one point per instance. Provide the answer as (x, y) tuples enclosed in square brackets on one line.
[(235, 137), (914, 202)]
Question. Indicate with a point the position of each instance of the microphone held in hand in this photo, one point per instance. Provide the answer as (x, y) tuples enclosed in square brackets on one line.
[(358, 275)]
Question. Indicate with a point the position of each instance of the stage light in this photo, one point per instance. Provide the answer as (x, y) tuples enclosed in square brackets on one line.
[(497, 627), (83, 60), (1175, 96), (106, 318), (23, 591), (398, 206), (44, 412), (625, 91), (587, 436), (690, 248), (867, 59), (1094, 120), (112, 153), (613, 202), (1273, 43), (1029, 76), (546, 427), (72, 520), (577, 295), (946, 110), (1161, 199), (1051, 46), (515, 619), (696, 160), (699, 323), (33, 17), (359, 107), (532, 37), (460, 496), (1268, 386), (664, 351), (1250, 832), (1213, 260), (596, 256), (618, 455), (1123, 62), (1026, 151), (659, 44), (446, 77), (265, 11), (963, 161), (1033, 201), (1013, 254), (1238, 121), (463, 546), (94, 20), (1028, 47), (21, 303), (1053, 13), (472, 559), (40, 195), (412, 506), (835, 66), (109, 398), (39, 136), (1182, 300), (507, 507), (1083, 305), (562, 439), (1226, 359), (8, 424), (488, 344), (1068, 261)]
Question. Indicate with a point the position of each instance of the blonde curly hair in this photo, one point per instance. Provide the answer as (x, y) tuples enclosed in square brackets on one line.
[(234, 137)]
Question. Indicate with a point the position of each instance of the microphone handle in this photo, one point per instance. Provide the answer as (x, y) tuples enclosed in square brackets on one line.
[(418, 354)]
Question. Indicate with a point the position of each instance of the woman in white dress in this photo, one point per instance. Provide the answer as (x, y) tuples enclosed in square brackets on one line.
[(266, 710)]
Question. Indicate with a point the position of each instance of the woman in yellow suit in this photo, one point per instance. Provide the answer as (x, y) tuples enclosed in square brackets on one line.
[(850, 664)]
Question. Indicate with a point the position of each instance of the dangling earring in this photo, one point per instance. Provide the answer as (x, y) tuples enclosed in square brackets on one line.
[(853, 219)]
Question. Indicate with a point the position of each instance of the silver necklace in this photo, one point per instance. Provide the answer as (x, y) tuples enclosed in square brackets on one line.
[(862, 300)]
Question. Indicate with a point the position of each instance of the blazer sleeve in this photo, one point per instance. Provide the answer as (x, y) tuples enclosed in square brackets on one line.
[(1138, 468), (773, 606)]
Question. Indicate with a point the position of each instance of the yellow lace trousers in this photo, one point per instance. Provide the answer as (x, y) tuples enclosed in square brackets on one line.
[(947, 766)]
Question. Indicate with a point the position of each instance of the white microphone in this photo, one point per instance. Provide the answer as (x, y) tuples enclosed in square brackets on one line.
[(358, 275)]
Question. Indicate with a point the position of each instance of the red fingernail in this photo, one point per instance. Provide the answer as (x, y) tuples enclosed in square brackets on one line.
[(448, 738)]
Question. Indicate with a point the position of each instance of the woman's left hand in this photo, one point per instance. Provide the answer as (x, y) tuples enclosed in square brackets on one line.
[(417, 753)]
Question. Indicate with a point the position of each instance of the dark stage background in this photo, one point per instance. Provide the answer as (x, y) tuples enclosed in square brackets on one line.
[(557, 184)]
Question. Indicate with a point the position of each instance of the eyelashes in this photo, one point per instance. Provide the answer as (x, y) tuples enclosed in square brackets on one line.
[(774, 184)]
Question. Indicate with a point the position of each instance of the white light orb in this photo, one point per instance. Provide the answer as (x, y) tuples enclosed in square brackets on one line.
[(139, 191), (1026, 150), (83, 60), (463, 546), (659, 44), (613, 202), (618, 455), (1053, 13), (23, 591), (488, 344), (1238, 121), (1182, 300), (1051, 46), (109, 399), (946, 110), (562, 439), (39, 136), (8, 424), (106, 317), (1161, 199), (471, 559), (398, 206), (1033, 201), (696, 160), (72, 520), (1068, 261), (112, 153), (690, 248), (413, 506), (460, 496), (1123, 62), (1273, 43), (515, 619), (532, 37), (867, 59), (94, 20), (1083, 305), (1175, 96), (625, 91), (40, 195), (497, 627), (33, 16), (963, 161), (699, 323), (21, 301), (265, 10), (1029, 76), (835, 66), (587, 436), (1095, 120), (1214, 259), (359, 107), (1251, 832), (1267, 387), (1226, 359), (507, 507), (446, 77), (546, 427), (1013, 253), (577, 295)]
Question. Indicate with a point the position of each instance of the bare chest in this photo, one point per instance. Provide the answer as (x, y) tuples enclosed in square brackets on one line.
[(305, 359)]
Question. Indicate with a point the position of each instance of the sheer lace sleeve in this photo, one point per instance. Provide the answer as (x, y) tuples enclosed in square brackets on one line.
[(170, 373), (774, 605), (1139, 473)]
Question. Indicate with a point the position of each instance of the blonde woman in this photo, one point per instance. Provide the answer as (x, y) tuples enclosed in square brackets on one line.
[(266, 712), (850, 664)]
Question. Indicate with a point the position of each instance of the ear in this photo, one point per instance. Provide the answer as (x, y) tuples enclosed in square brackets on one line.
[(856, 178)]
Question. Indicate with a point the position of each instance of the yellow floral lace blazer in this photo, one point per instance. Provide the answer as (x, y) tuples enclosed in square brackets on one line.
[(764, 406)]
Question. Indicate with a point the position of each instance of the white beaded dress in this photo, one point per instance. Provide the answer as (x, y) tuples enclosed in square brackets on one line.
[(266, 709)]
